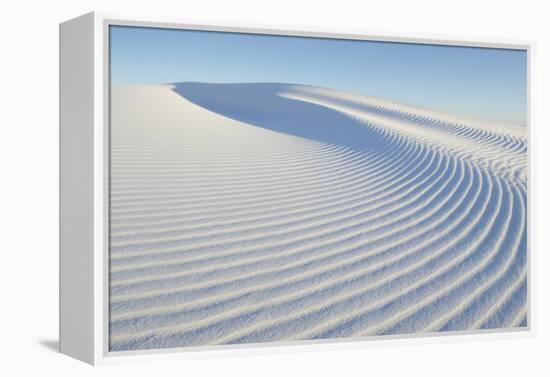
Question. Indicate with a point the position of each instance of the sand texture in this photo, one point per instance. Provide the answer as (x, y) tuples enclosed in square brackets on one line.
[(247, 213)]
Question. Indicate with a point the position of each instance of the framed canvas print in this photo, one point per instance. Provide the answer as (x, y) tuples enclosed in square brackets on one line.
[(226, 187)]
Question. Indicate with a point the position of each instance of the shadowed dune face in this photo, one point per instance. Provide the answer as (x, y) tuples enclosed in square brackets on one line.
[(262, 105), (361, 123)]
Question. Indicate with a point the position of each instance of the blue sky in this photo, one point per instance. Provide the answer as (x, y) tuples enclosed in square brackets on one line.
[(474, 82)]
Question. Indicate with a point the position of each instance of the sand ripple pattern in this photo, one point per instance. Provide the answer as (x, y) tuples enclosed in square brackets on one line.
[(247, 213)]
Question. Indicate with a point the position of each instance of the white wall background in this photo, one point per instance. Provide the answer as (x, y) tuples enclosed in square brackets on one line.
[(29, 184)]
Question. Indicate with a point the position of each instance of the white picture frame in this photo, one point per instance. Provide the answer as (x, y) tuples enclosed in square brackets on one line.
[(84, 187)]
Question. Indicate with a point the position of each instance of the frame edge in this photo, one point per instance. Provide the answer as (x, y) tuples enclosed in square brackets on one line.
[(76, 194)]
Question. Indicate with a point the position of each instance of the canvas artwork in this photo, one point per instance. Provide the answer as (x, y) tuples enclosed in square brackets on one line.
[(270, 188)]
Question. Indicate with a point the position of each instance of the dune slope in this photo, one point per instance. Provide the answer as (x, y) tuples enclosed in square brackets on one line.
[(245, 213)]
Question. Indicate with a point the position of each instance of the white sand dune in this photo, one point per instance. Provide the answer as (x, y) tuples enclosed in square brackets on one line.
[(246, 213)]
